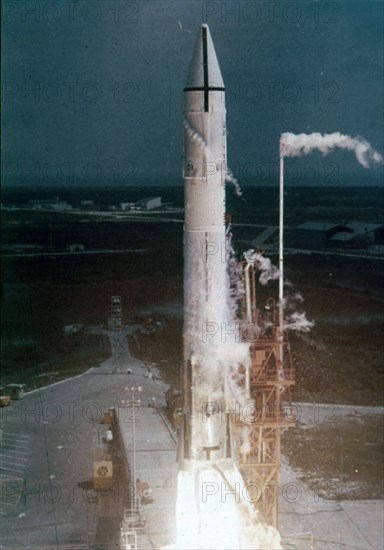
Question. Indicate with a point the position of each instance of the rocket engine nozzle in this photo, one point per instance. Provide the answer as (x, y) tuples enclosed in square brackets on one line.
[(212, 442)]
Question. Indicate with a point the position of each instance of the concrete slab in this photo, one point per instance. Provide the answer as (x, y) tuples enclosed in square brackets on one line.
[(369, 516), (333, 524)]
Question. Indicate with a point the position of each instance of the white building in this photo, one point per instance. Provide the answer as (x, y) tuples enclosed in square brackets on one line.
[(126, 205), (51, 204), (87, 204), (75, 248), (150, 203)]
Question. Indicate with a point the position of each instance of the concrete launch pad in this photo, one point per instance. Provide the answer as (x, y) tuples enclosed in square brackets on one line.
[(155, 459), (330, 524)]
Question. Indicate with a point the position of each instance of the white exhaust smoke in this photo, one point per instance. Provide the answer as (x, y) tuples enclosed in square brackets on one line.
[(292, 145), (230, 178), (269, 272)]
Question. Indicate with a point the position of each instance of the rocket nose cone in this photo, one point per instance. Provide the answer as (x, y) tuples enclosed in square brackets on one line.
[(204, 70)]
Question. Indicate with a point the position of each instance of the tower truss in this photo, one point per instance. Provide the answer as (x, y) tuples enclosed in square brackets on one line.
[(269, 380)]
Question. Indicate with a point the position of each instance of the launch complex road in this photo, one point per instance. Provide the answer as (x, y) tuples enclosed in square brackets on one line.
[(51, 500)]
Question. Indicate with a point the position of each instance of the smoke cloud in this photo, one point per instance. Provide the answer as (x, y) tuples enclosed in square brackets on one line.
[(292, 145), (293, 318)]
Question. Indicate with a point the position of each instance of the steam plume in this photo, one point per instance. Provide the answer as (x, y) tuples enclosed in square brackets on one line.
[(195, 135), (264, 265), (229, 177), (292, 145)]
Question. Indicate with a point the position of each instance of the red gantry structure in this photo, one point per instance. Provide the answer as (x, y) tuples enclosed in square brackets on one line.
[(269, 380)]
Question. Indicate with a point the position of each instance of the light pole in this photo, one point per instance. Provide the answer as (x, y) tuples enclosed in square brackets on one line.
[(281, 264)]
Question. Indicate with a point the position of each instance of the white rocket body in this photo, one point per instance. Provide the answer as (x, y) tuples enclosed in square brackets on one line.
[(205, 429)]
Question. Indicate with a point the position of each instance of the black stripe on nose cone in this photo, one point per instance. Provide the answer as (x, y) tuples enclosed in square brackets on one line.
[(206, 88), (205, 69)]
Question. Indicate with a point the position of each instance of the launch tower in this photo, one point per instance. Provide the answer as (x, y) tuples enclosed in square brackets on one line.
[(270, 379)]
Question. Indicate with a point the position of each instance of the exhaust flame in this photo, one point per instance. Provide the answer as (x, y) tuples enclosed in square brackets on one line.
[(213, 513), (292, 145)]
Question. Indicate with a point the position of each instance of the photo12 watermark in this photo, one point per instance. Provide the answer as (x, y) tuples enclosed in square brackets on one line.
[(303, 171), (70, 11), (259, 12), (71, 171), (69, 412), (251, 492), (69, 92)]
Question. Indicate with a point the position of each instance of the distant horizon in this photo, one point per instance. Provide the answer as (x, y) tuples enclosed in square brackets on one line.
[(44, 186)]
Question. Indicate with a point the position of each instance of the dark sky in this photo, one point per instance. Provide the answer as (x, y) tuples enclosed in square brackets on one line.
[(108, 77)]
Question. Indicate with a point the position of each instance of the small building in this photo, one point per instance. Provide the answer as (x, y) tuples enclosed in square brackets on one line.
[(126, 205), (44, 204), (87, 204), (315, 235), (15, 391), (62, 206), (149, 203), (74, 328), (359, 235), (318, 236), (73, 248), (51, 204)]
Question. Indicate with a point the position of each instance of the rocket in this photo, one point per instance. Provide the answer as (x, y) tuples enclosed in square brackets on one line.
[(204, 427)]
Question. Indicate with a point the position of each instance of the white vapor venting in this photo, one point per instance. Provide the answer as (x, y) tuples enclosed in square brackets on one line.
[(229, 177), (195, 135), (297, 145), (293, 319), (269, 272), (298, 322)]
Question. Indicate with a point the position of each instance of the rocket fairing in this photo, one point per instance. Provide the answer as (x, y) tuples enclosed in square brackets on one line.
[(204, 428)]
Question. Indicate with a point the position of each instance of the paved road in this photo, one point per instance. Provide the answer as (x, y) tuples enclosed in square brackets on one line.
[(80, 253), (50, 438)]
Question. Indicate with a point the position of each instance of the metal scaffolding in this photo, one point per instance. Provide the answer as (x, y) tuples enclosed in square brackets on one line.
[(116, 316), (268, 380)]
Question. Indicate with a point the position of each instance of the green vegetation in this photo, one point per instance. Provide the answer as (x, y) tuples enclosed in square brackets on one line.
[(46, 360), (340, 361)]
